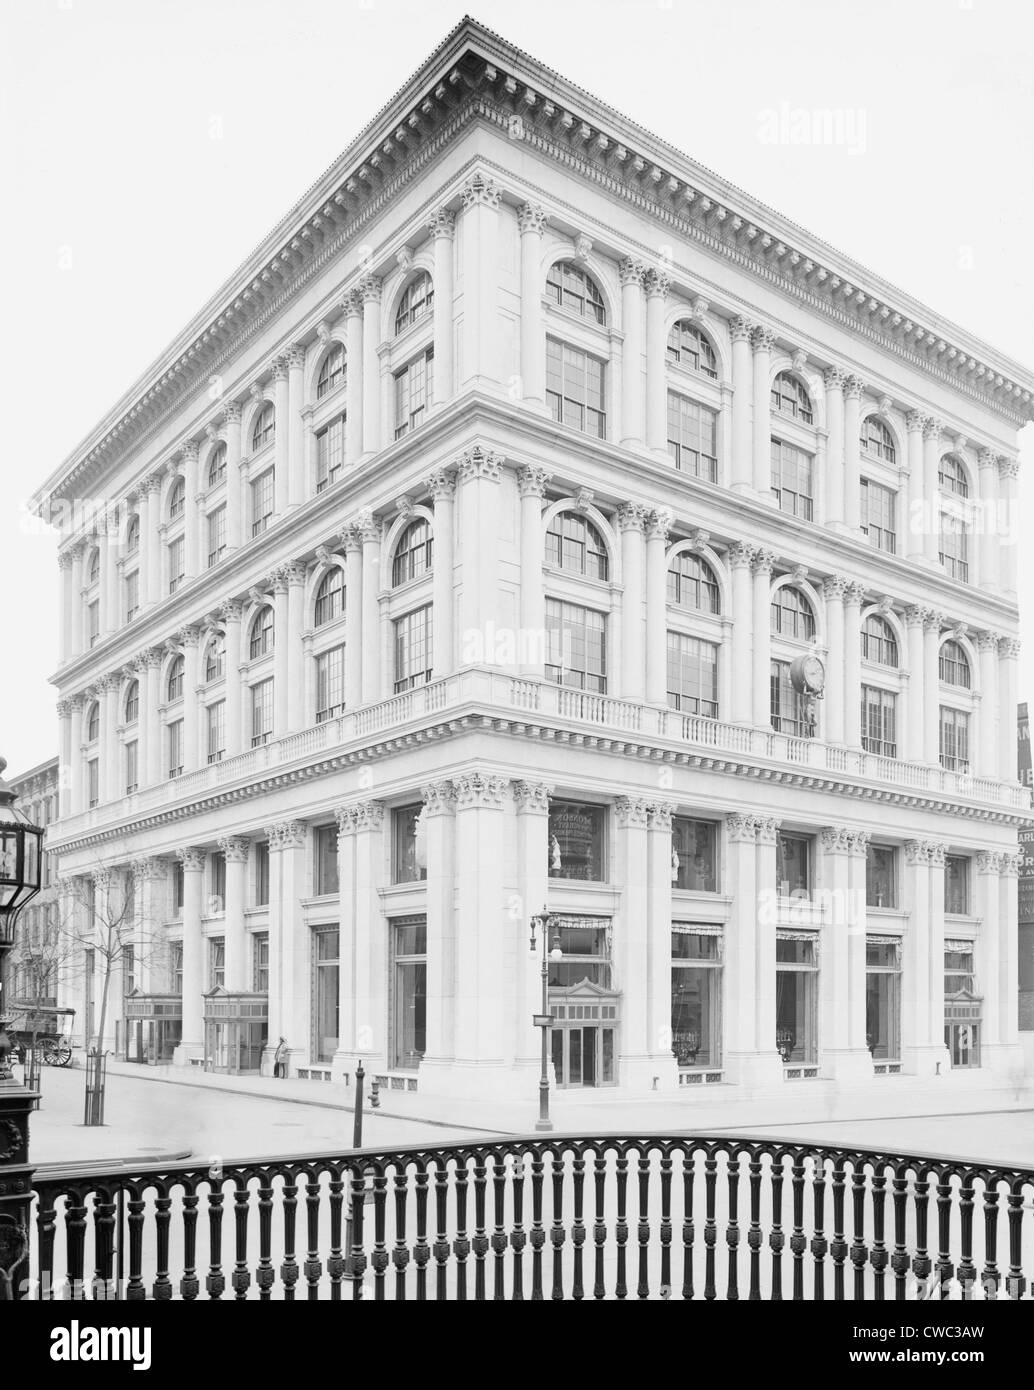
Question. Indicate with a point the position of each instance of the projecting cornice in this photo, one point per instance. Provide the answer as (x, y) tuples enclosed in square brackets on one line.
[(476, 76)]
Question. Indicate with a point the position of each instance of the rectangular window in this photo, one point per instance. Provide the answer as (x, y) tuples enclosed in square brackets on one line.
[(696, 996), (176, 967), (325, 1017), (262, 493), (797, 978), (260, 962), (93, 623), (261, 893), (330, 453), (413, 388), (324, 872), (576, 647), (174, 737), (132, 582), (793, 866), (216, 962), (883, 999), (792, 479), (585, 943), (405, 838), (128, 969), (93, 782), (216, 731), (693, 437), (694, 848), (217, 884), (177, 888), (216, 536), (954, 547), (330, 684), (576, 841), (409, 992), (692, 675), (962, 1007), (879, 721), (877, 516), (131, 783), (576, 388), (881, 881), (261, 713), (413, 637), (177, 563), (792, 712), (954, 739), (956, 885)]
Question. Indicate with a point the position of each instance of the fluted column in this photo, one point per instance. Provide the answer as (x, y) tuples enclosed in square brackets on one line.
[(231, 613), (297, 714), (189, 637), (193, 1036), (633, 388), (282, 437), (931, 489), (761, 624), (931, 688), (662, 1064), (151, 545), (657, 524), (350, 1043), (631, 518), (852, 446), (289, 983), (191, 521), (833, 380), (236, 850), (297, 482), (352, 543), (742, 467), (656, 363), (630, 940), (531, 483), (836, 686), (479, 364), (1008, 658), (439, 816), (921, 510), (740, 558), (282, 672), (442, 484), (741, 963), (1008, 967), (370, 290), (76, 801), (479, 473), (65, 710), (532, 800), (107, 608), (762, 340), (986, 750), (354, 368), (367, 528), (915, 747), (990, 536), (110, 763), (532, 220), (77, 641), (234, 486), (853, 597), (916, 1002), (1009, 524)]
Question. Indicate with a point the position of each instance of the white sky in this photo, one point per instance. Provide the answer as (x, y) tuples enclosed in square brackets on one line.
[(146, 146)]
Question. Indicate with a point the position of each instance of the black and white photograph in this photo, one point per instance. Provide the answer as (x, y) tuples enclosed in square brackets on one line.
[(515, 780)]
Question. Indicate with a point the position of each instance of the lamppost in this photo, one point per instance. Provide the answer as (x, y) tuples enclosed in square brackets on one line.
[(550, 951), (21, 845)]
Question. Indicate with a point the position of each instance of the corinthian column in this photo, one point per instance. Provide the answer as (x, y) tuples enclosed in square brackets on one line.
[(1009, 524), (1008, 658), (987, 762), (631, 518), (740, 558), (532, 800), (990, 538), (852, 445), (191, 1044), (656, 363), (921, 509), (352, 542), (234, 498), (442, 485), (931, 488), (370, 289), (762, 340), (657, 526), (742, 469), (440, 820), (532, 219), (761, 685), (442, 227), (236, 849), (480, 284), (281, 440), (297, 482), (834, 380), (833, 592), (633, 274), (354, 369), (531, 483)]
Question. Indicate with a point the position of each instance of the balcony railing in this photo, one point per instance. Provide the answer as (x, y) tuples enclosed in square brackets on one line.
[(604, 1217), (545, 699)]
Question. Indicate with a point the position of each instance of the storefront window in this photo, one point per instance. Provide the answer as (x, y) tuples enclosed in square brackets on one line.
[(216, 963), (962, 1007), (409, 1005), (261, 873), (696, 996), (576, 841), (956, 885), (404, 831), (260, 962), (793, 866), (880, 878), (883, 999), (797, 978), (325, 874), (586, 947), (325, 1002), (695, 846)]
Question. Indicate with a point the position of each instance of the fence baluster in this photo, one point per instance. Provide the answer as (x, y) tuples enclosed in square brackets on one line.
[(819, 1244), (710, 1226), (578, 1226), (190, 1285), (537, 1234), (899, 1259), (289, 1264), (264, 1273), (599, 1226), (643, 1226), (665, 1226), (336, 1258), (75, 1246), (421, 1251), (921, 1264), (441, 1244), (776, 1238), (732, 1229), (945, 1269), (103, 1244), (379, 1254), (556, 1230), (214, 1281), (798, 1242), (46, 1229), (461, 1245), (400, 1254), (357, 1256), (480, 1244), (991, 1275), (162, 1288), (688, 1229), (621, 1225), (878, 1257), (241, 1279), (1014, 1280), (859, 1249), (499, 1242), (838, 1248), (313, 1268), (518, 1236), (967, 1269)]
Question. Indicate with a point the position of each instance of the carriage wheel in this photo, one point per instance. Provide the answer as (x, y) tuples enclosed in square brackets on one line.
[(57, 1053)]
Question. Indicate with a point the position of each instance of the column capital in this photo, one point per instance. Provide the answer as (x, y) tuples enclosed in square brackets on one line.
[(531, 218), (987, 458), (287, 834), (763, 561), (659, 815), (741, 329), (365, 524), (235, 847), (1010, 866), (481, 789), (988, 641), (532, 797), (631, 812), (657, 284), (631, 272), (442, 223), (232, 412), (189, 636), (346, 819), (932, 620), (742, 829), (854, 388), (64, 560), (192, 859), (189, 451), (858, 843), (762, 338), (658, 524), (741, 555), (295, 355), (835, 839), (531, 481), (917, 852), (834, 587), (231, 610), (632, 517), (933, 428), (441, 483), (369, 288), (1008, 468), (1009, 648), (479, 462), (65, 708), (351, 539), (935, 853), (278, 368), (915, 615), (768, 829), (439, 798), (915, 421), (854, 594), (834, 378), (480, 191), (352, 303), (989, 862), (148, 867)]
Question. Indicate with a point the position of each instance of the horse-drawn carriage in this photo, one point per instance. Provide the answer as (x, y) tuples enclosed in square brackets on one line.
[(48, 1030)]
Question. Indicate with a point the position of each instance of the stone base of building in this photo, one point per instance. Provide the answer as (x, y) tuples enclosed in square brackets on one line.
[(1006, 1061), (925, 1061), (441, 1076), (656, 1073), (188, 1054), (754, 1069), (850, 1065)]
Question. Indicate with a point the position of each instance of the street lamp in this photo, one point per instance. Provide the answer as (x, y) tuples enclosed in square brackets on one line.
[(21, 845), (547, 924)]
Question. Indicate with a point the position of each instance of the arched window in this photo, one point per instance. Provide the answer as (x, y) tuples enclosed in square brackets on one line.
[(332, 372), (93, 722), (690, 348), (133, 535), (261, 643), (573, 543), (174, 684), (412, 553), (217, 466), (692, 584), (877, 440), (790, 398), (133, 702), (879, 645), (792, 615), (330, 597), (177, 499), (951, 476), (954, 665), (265, 428), (575, 292), (93, 568), (415, 302), (215, 657)]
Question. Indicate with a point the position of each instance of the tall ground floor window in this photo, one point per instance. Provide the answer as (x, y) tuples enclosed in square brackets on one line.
[(962, 1006), (696, 995), (409, 994), (797, 989), (325, 994), (883, 998)]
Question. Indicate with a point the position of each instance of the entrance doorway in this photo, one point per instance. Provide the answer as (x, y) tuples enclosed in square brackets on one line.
[(584, 1035)]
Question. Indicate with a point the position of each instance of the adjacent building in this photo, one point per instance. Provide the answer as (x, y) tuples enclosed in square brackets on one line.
[(43, 960), (535, 520)]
